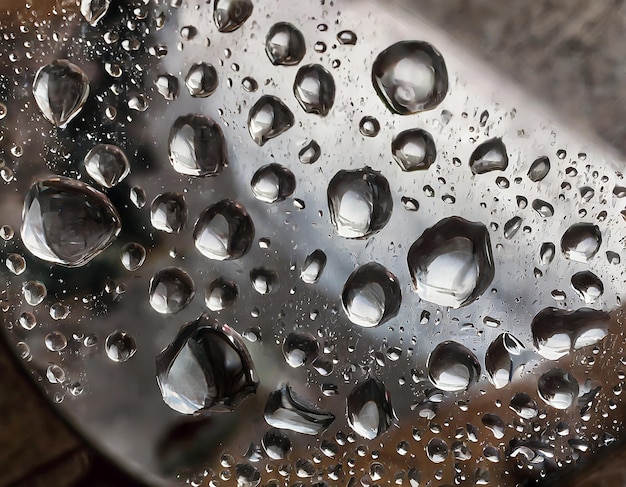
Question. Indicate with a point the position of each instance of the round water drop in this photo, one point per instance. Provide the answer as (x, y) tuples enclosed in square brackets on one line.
[(452, 367), (347, 38), (16, 263), (371, 295), (167, 86), (249, 84), (120, 346), (201, 80), (168, 212), (6, 232), (414, 150), (581, 242), (55, 374), (229, 15), (94, 10), (410, 77), (369, 126), (313, 267), (558, 388), (60, 89), (34, 292), (360, 202), (284, 44), (369, 409), (539, 169), (133, 256), (489, 156), (268, 118), (276, 444), (264, 281), (314, 88), (220, 294), (197, 146), (310, 153), (451, 262), (55, 341), (171, 290), (273, 183), (588, 286), (437, 450), (27, 320), (67, 222), (224, 231), (58, 311), (524, 406), (300, 348), (107, 165)]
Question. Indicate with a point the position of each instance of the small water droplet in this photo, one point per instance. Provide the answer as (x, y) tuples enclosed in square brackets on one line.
[(249, 84), (437, 450), (313, 267), (269, 117), (171, 290), (586, 193), (230, 15), (201, 80), (369, 126), (310, 153), (206, 368), (284, 44), (58, 311), (34, 292), (273, 183), (16, 263), (314, 88), (369, 409), (558, 388), (220, 294), (410, 77), (581, 242), (55, 341), (524, 406), (27, 320), (168, 212), (489, 156), (55, 374), (414, 149), (138, 196), (6, 232), (94, 10), (107, 165), (347, 38), (120, 346), (133, 256), (300, 348), (264, 281)]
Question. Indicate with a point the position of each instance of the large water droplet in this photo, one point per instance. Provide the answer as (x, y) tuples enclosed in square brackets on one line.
[(224, 231), (313, 267), (273, 183), (369, 408), (581, 242), (410, 77), (68, 222), (229, 15), (360, 202), (489, 156), (558, 388), (371, 295), (60, 89), (206, 368), (133, 256), (268, 118), (452, 367), (120, 346), (284, 44), (197, 146), (588, 286), (285, 410), (556, 331), (220, 293), (201, 80), (300, 348), (171, 289), (314, 88), (94, 10), (539, 169), (107, 164), (414, 149), (168, 212), (451, 262)]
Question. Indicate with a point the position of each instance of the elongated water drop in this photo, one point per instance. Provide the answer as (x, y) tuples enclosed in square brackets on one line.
[(285, 410), (369, 409), (539, 169), (268, 118), (94, 10), (314, 88), (313, 267)]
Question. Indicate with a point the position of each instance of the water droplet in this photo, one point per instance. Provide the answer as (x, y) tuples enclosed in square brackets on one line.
[(539, 169), (188, 32), (613, 257), (55, 374), (264, 281), (451, 262), (581, 242), (524, 406), (138, 197), (224, 231), (588, 286), (300, 348), (206, 368), (120, 346), (586, 193), (313, 267), (547, 252), (220, 294), (273, 183), (16, 263), (229, 15), (314, 88), (511, 227), (285, 410), (369, 126), (247, 475), (94, 10), (167, 86), (410, 77), (452, 367), (276, 444), (558, 388), (410, 204), (310, 153), (414, 149), (27, 320), (284, 44), (371, 295), (498, 364), (171, 289), (58, 311), (249, 84), (55, 341), (107, 165), (347, 38), (619, 191), (556, 332), (268, 118), (6, 232), (360, 202), (543, 208), (68, 222), (197, 146), (201, 80), (369, 408), (133, 256), (437, 450), (168, 212), (489, 156)]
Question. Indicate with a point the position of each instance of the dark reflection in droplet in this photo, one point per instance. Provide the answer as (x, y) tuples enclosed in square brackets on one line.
[(369, 408), (268, 118), (489, 156), (547, 252), (347, 38), (498, 364), (229, 15), (264, 281), (284, 44), (207, 368), (313, 266), (452, 367), (314, 88), (543, 208), (524, 406), (414, 150)]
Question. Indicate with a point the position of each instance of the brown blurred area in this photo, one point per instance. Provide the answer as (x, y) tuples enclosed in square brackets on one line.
[(568, 53)]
